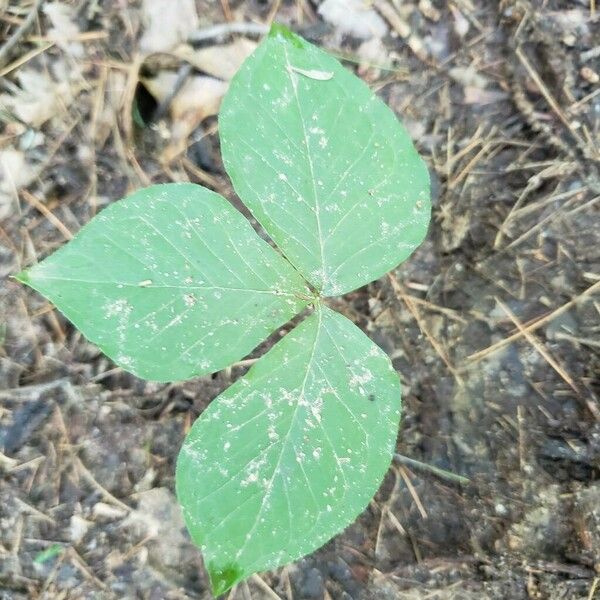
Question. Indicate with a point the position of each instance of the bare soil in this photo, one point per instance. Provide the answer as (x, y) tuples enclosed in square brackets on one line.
[(492, 324)]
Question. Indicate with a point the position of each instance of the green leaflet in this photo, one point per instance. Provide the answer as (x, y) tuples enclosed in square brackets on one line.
[(323, 164), (291, 453), (171, 283)]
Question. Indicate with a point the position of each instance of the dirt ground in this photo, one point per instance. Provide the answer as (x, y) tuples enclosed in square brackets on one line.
[(493, 324)]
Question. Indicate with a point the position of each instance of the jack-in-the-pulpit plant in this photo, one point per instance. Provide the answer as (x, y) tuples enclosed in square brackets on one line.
[(173, 282)]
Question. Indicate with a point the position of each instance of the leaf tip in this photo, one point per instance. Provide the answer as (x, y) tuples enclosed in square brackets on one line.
[(224, 578), (279, 31), (22, 276)]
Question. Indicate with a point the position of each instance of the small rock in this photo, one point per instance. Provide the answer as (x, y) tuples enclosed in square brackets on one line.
[(78, 527), (158, 515), (107, 511)]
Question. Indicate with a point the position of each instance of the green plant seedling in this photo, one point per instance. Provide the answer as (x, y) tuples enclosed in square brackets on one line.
[(173, 282)]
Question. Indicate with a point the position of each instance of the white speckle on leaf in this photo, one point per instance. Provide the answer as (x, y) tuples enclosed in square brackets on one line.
[(120, 308), (312, 73), (189, 299)]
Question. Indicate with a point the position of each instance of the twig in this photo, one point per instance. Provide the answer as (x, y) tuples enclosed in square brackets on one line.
[(273, 11), (226, 10), (593, 588), (389, 13), (394, 521), (547, 357), (440, 473), (262, 584), (222, 30), (33, 201), (83, 470), (413, 492), (25, 58), (477, 356), (547, 95), (543, 222), (34, 511), (13, 40), (7, 463), (415, 313), (80, 564)]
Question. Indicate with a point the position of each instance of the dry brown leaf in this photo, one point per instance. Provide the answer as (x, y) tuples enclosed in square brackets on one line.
[(15, 173), (168, 23), (353, 17), (372, 53), (199, 98), (113, 102), (219, 61), (39, 98), (64, 30)]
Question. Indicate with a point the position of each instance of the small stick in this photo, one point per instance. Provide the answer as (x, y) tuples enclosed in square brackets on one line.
[(450, 313), (593, 588), (477, 356), (395, 522), (389, 13), (83, 470), (273, 11), (539, 347), (33, 201), (522, 450), (415, 313), (547, 95), (80, 564), (413, 492), (222, 30), (13, 40), (441, 473), (25, 59), (34, 511), (226, 10), (262, 584)]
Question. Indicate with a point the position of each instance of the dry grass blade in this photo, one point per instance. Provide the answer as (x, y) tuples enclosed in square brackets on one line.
[(547, 356), (548, 96), (413, 492), (33, 201), (422, 326), (262, 584), (441, 473), (25, 58), (14, 39), (481, 354)]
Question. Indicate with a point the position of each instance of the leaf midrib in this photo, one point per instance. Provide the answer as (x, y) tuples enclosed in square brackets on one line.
[(312, 171), (284, 444), (175, 287)]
